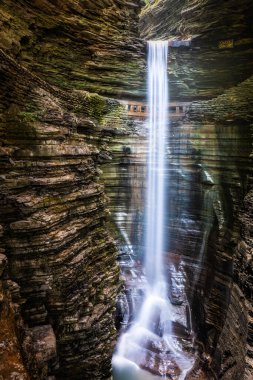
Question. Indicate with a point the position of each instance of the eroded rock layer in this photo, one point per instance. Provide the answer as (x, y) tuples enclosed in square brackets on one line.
[(214, 164), (210, 170), (53, 216), (76, 44), (62, 265), (206, 186), (220, 54), (58, 291)]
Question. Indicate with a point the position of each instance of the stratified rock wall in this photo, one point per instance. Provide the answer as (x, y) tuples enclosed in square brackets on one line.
[(61, 258), (244, 268), (58, 291), (125, 183), (53, 216), (220, 54), (213, 165), (211, 169), (86, 45)]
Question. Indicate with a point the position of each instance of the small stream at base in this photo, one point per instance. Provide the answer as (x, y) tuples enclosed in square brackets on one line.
[(127, 370)]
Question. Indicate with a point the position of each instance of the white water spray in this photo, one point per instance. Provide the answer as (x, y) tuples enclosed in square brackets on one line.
[(149, 343), (158, 119)]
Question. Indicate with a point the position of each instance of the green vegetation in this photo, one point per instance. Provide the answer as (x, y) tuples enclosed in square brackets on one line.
[(27, 116), (115, 117), (96, 106)]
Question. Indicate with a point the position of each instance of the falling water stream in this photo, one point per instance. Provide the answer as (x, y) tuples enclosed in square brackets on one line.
[(158, 116), (149, 349)]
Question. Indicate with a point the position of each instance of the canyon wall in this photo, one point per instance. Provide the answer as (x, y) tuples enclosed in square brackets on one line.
[(209, 192), (58, 274), (77, 44), (214, 167), (220, 54), (209, 176), (59, 278)]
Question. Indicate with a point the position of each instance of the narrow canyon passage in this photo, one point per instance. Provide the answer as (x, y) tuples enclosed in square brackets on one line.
[(126, 218)]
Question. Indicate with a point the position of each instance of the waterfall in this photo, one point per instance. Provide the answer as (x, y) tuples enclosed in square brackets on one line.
[(158, 118), (150, 343)]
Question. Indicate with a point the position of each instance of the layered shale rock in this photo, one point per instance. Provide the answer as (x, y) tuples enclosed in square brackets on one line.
[(61, 258), (243, 269), (209, 177), (77, 44), (205, 192), (212, 168), (53, 215), (58, 291), (220, 54), (125, 183)]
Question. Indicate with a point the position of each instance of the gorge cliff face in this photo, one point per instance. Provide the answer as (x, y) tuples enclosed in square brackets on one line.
[(77, 44), (60, 256), (209, 192), (59, 276), (59, 279)]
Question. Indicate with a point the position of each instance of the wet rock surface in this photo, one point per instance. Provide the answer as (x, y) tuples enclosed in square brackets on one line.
[(62, 267), (209, 203), (62, 278), (61, 258), (220, 53), (243, 269)]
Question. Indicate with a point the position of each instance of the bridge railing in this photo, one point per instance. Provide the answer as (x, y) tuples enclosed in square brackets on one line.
[(139, 109)]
